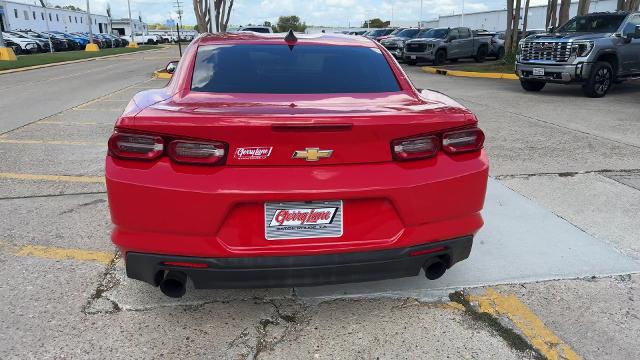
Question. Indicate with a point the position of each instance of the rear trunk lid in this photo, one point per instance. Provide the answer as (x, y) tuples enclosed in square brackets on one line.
[(275, 130)]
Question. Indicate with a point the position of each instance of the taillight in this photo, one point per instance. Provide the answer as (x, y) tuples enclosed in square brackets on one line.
[(196, 152), (420, 147), (136, 146), (426, 146), (459, 141)]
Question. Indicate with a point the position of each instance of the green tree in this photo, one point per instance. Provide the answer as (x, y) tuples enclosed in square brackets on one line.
[(158, 26), (286, 23), (375, 23), (71, 7)]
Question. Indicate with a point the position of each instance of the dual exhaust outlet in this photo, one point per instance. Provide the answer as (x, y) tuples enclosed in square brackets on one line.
[(174, 283)]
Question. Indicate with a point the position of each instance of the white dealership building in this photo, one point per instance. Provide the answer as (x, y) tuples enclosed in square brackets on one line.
[(124, 26), (496, 20), (19, 16)]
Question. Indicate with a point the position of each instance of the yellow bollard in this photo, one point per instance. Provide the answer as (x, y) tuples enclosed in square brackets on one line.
[(6, 54), (92, 47)]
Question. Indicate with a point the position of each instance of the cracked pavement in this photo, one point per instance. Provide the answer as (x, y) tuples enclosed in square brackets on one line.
[(566, 157)]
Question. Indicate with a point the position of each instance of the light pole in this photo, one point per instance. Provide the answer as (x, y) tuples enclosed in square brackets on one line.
[(90, 46), (132, 44), (420, 20), (46, 19), (392, 13), (462, 15)]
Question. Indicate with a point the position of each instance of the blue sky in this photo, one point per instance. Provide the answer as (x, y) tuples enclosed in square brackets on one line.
[(313, 12)]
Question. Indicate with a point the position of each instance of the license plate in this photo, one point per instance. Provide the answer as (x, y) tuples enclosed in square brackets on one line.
[(302, 220), (538, 71), (413, 57)]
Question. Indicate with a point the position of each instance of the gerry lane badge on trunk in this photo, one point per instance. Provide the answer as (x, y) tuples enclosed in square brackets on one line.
[(253, 153)]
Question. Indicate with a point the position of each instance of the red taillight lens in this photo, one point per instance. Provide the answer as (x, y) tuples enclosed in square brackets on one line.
[(136, 146), (196, 152), (459, 141), (420, 147)]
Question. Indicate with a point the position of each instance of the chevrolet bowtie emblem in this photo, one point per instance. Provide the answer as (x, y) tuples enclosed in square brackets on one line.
[(312, 154)]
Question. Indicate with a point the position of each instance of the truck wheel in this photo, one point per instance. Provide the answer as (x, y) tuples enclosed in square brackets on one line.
[(440, 58), (532, 85), (599, 81), (481, 54)]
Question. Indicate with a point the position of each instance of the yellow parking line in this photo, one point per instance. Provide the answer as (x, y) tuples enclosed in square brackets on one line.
[(58, 178), (48, 142), (541, 337), (56, 253)]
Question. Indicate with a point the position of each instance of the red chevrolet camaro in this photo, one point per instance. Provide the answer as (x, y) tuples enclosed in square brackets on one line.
[(272, 160)]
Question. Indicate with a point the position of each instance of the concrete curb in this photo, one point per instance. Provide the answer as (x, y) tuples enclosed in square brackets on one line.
[(471, 74), (35, 67)]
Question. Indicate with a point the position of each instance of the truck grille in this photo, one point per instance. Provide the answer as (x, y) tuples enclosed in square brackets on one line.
[(417, 47), (549, 51)]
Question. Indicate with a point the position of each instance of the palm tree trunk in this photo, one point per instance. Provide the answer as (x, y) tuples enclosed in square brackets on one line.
[(226, 20), (222, 14), (564, 12), (516, 25), (526, 15), (507, 40), (583, 7)]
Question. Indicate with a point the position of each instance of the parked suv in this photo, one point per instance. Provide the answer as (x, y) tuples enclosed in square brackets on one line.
[(442, 44), (595, 50)]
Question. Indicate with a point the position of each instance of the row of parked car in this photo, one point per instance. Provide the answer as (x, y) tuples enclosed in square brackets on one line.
[(29, 41), (438, 45)]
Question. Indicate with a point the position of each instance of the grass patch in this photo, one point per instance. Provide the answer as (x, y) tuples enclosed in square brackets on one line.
[(499, 66), (49, 58)]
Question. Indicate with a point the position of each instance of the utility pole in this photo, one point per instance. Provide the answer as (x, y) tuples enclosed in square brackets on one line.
[(90, 46), (132, 44), (46, 19), (90, 27), (392, 13), (420, 20), (178, 7), (462, 15)]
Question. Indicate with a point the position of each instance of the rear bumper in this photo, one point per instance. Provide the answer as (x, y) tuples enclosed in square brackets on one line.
[(219, 212), (287, 271)]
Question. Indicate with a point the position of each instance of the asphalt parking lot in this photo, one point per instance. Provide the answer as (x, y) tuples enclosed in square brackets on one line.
[(553, 274)]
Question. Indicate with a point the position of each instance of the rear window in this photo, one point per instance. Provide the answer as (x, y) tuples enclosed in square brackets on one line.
[(305, 69)]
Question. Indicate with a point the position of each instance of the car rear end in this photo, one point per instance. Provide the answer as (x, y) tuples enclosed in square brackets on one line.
[(292, 164)]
